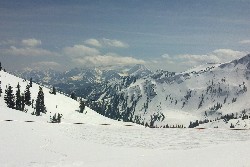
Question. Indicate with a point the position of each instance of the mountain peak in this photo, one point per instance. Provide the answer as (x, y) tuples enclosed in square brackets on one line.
[(139, 70)]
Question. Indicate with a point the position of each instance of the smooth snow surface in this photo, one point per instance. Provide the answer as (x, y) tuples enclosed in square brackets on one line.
[(45, 144)]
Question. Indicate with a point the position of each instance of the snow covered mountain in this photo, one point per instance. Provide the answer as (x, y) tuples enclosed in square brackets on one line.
[(210, 95), (82, 81)]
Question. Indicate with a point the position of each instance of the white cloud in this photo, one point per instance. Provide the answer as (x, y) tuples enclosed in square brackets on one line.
[(106, 43), (185, 61), (8, 42), (80, 51), (32, 42), (93, 42), (84, 55), (245, 42), (227, 54), (114, 43), (165, 56), (107, 59), (28, 51)]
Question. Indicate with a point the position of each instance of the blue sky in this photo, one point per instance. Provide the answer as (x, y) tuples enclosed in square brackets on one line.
[(169, 34)]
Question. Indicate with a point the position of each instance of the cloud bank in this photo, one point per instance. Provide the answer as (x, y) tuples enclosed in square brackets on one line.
[(104, 42), (80, 51), (91, 53), (32, 42), (26, 47), (87, 56), (27, 51), (245, 42), (184, 61)]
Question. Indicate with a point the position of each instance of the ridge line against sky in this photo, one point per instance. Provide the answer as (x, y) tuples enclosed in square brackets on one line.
[(160, 34)]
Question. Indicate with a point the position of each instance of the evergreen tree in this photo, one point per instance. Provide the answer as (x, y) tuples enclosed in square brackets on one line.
[(73, 96), (82, 106), (56, 118), (53, 91), (40, 107), (9, 97), (32, 103), (22, 102), (0, 66), (59, 117), (31, 82), (1, 91), (18, 98), (27, 96)]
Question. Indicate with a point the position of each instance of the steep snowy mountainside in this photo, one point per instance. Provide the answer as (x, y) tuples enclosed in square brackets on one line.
[(58, 103), (205, 93)]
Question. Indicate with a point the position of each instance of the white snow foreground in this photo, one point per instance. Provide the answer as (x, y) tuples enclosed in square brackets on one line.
[(101, 142), (42, 144)]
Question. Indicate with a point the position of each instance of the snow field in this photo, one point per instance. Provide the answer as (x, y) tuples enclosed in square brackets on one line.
[(42, 144)]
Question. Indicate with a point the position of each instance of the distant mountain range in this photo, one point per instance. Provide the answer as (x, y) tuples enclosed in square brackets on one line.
[(83, 81), (207, 95)]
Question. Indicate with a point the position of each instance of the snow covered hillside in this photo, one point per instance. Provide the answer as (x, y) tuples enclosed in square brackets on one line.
[(58, 103)]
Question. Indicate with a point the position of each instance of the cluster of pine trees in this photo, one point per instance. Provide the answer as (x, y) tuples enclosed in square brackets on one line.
[(56, 118), (19, 100)]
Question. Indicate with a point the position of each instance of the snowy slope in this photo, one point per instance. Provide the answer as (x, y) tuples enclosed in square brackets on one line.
[(58, 103), (207, 92), (64, 145)]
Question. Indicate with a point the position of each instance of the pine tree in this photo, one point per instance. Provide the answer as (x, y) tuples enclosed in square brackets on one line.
[(56, 118), (27, 96), (0, 66), (53, 91), (73, 96), (82, 106), (59, 117), (22, 102), (40, 107), (31, 82), (1, 91), (9, 97), (18, 98)]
